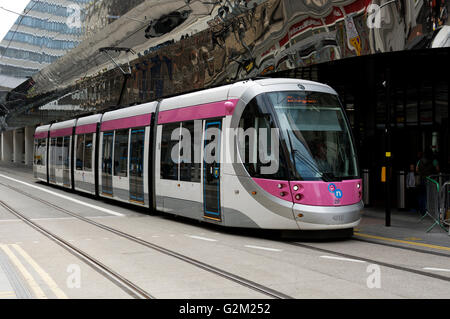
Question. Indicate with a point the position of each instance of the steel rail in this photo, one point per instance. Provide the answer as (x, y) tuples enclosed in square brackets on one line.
[(123, 283), (212, 269), (372, 261)]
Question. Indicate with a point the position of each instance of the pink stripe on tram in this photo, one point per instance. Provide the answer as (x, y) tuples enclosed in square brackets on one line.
[(86, 129), (129, 122), (314, 193), (273, 188), (41, 135), (328, 194), (197, 112), (62, 132)]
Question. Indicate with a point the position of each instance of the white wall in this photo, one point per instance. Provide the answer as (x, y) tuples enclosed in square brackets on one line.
[(7, 146), (19, 145), (29, 144)]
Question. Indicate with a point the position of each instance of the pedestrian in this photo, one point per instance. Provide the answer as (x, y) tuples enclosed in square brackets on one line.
[(411, 189), (435, 162), (424, 169)]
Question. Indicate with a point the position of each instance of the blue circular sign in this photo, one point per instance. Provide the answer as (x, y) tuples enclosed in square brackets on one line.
[(334, 190), (331, 188)]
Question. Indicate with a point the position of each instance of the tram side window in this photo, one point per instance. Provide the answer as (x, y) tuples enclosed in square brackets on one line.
[(59, 153), (53, 153), (40, 152), (80, 153), (169, 165), (121, 153), (256, 117), (88, 146), (66, 152), (137, 152), (84, 152), (36, 149), (190, 166), (107, 153)]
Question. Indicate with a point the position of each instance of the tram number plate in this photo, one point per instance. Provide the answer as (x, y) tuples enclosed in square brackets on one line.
[(339, 218)]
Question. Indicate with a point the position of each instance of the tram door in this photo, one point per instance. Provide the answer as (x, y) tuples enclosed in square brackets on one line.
[(137, 165), (52, 161), (211, 170), (66, 161), (107, 163)]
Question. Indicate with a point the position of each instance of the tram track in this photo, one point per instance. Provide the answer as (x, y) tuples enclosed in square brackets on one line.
[(370, 260), (194, 262), (417, 250), (129, 287)]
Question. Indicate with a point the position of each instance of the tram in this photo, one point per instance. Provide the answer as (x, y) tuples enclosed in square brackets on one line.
[(268, 154)]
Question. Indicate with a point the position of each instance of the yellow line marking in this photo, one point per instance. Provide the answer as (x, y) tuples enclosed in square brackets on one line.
[(402, 241), (217, 219), (413, 239), (45, 276), (6, 294), (39, 294), (137, 202)]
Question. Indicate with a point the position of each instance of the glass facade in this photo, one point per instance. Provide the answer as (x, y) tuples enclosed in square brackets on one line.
[(45, 32)]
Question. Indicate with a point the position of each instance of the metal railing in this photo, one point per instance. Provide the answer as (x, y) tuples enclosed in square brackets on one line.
[(446, 204), (437, 206)]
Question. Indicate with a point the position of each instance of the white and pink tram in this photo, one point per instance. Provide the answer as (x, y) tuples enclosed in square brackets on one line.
[(270, 153)]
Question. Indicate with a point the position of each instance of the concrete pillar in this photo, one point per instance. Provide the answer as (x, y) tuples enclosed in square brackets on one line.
[(29, 145), (7, 146), (19, 145)]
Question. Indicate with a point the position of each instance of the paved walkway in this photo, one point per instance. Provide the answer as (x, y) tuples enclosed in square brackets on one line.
[(405, 226)]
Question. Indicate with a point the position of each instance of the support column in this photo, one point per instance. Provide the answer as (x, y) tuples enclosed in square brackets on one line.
[(19, 145), (7, 146), (29, 144)]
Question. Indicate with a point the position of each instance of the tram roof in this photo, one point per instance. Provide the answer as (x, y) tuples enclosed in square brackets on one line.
[(62, 125), (131, 111), (93, 119)]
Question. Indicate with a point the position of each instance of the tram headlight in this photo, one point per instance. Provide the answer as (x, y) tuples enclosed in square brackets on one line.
[(298, 197)]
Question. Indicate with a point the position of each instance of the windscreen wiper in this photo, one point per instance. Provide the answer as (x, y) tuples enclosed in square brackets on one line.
[(310, 164)]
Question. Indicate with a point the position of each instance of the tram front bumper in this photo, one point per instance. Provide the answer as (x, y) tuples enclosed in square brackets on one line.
[(324, 217)]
